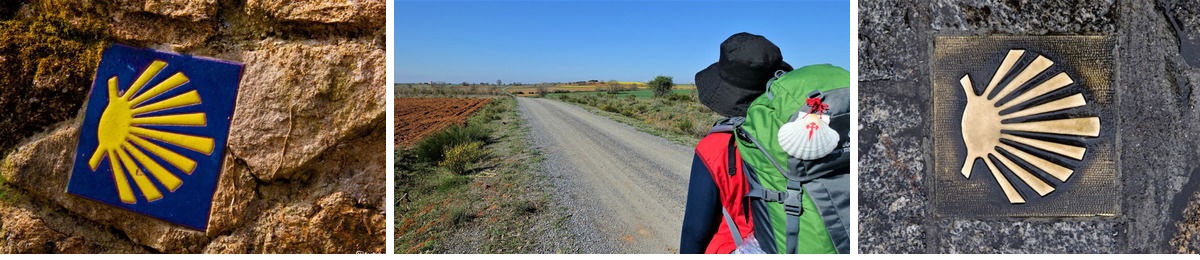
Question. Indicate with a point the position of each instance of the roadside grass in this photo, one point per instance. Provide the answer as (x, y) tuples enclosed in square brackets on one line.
[(480, 196), (436, 147), (678, 117), (640, 93)]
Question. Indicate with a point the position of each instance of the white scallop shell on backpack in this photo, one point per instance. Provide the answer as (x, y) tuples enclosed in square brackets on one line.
[(809, 137)]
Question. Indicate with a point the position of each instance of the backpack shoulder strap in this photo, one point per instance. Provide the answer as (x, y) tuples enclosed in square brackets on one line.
[(733, 229), (729, 124)]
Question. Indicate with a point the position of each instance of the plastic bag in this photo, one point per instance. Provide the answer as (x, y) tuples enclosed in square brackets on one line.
[(749, 246)]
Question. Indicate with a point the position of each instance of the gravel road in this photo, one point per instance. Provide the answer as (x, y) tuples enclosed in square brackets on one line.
[(625, 189)]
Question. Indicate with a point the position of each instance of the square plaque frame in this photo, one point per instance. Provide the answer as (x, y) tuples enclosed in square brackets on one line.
[(1092, 188)]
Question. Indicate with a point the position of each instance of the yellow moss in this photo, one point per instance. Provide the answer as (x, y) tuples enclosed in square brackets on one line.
[(47, 58)]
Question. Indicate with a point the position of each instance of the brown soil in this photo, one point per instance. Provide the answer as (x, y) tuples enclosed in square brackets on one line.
[(417, 118)]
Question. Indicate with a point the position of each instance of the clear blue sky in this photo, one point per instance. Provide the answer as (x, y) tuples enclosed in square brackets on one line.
[(562, 41)]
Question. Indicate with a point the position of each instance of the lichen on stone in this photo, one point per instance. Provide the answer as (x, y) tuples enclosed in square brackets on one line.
[(46, 63)]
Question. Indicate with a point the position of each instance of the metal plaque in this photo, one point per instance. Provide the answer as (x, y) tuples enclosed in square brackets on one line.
[(1024, 126), (154, 132)]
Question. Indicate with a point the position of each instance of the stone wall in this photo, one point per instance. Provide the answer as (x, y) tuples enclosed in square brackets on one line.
[(304, 171)]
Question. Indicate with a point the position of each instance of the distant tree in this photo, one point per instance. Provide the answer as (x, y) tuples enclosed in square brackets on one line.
[(612, 88), (661, 85), (542, 90), (610, 85)]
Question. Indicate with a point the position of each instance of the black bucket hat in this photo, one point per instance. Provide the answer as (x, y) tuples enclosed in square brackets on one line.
[(747, 62)]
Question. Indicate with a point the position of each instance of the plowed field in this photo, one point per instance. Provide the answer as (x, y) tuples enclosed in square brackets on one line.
[(417, 118)]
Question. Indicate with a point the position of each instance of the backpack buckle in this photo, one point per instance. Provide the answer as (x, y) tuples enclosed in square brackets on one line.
[(767, 195), (773, 196), (792, 203)]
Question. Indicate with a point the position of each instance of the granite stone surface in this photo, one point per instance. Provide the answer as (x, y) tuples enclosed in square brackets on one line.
[(1157, 117)]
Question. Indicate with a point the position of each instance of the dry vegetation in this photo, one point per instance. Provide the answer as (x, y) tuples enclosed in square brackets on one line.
[(529, 90), (471, 188), (677, 117), (425, 90)]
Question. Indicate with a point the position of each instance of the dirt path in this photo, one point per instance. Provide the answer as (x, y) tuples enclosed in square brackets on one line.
[(624, 189)]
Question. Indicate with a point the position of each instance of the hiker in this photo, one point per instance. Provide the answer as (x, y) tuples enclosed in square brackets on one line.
[(740, 198)]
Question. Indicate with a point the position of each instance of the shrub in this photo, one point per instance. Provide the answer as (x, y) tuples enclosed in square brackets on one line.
[(499, 108), (629, 113), (685, 126), (462, 157), (679, 97), (610, 108), (612, 89), (642, 108), (433, 149), (661, 85)]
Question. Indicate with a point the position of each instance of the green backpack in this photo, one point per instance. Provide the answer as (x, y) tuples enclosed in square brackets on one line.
[(802, 206)]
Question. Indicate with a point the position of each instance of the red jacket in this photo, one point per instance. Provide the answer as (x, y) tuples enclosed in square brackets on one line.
[(713, 151)]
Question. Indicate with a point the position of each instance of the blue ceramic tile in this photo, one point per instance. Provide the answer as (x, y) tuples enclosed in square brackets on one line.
[(154, 133)]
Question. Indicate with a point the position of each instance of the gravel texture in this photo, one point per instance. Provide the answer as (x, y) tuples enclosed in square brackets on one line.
[(624, 189)]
